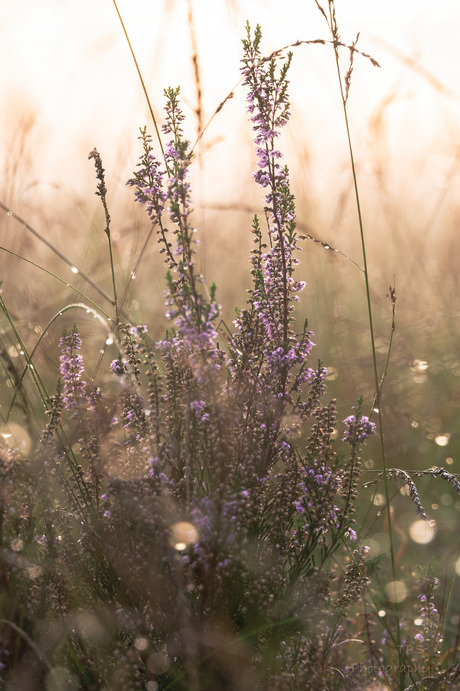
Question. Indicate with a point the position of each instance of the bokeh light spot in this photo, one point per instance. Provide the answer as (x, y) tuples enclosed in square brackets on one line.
[(396, 591), (422, 531), (183, 534), (379, 500), (442, 439), (418, 366)]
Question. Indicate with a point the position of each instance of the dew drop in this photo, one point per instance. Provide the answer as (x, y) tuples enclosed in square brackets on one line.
[(9, 213), (74, 270)]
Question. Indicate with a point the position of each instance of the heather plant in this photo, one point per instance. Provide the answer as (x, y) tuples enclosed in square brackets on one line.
[(187, 516)]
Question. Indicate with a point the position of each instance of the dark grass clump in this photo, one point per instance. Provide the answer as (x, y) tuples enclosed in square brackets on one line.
[(189, 522)]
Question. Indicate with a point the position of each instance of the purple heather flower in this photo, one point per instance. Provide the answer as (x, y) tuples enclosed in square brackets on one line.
[(358, 429), (148, 181), (118, 366), (197, 407), (316, 505), (129, 416), (138, 330)]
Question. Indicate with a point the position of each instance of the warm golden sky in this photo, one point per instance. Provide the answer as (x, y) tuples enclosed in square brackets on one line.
[(67, 64)]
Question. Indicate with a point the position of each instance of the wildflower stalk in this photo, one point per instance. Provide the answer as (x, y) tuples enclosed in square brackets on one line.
[(102, 193), (333, 27)]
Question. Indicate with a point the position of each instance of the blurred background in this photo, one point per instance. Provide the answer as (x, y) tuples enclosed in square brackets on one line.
[(69, 84)]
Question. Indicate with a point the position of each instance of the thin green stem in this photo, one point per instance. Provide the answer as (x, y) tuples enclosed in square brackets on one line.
[(144, 88), (334, 30), (35, 376), (68, 261), (114, 285), (56, 251), (58, 278)]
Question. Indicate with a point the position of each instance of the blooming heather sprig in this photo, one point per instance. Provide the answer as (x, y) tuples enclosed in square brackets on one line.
[(316, 505), (118, 366), (71, 368), (356, 579), (275, 290), (429, 634), (268, 359), (359, 428), (148, 181), (131, 345), (192, 313), (150, 192), (185, 301), (178, 156), (134, 418), (268, 104)]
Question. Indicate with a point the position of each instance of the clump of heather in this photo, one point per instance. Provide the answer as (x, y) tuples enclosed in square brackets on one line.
[(193, 525)]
